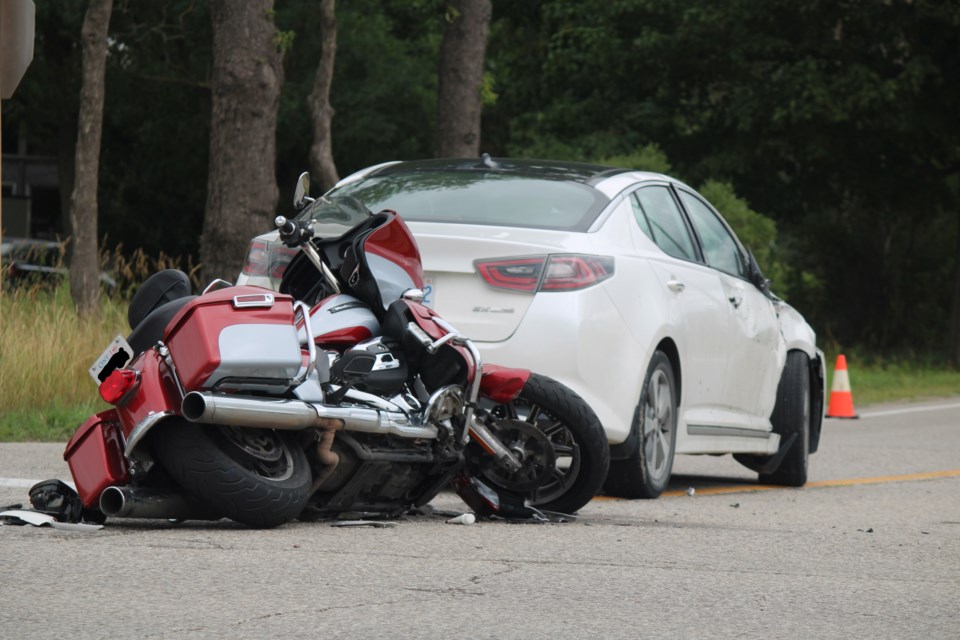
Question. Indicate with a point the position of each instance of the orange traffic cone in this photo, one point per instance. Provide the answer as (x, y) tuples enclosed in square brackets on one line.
[(841, 397)]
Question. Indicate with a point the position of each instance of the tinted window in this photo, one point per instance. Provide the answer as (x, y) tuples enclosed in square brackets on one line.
[(666, 222), (719, 247), (640, 216), (473, 197)]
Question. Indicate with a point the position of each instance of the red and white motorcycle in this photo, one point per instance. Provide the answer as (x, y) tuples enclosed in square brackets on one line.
[(342, 392)]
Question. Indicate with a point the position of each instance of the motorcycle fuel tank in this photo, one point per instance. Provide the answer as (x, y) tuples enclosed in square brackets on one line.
[(342, 320)]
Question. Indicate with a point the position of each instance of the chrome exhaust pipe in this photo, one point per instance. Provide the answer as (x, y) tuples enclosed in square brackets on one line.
[(296, 415), (138, 502)]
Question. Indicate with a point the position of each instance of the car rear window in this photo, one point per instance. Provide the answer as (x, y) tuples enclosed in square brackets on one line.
[(482, 198)]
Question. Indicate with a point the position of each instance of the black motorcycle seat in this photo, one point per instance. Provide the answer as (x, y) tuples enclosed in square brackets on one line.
[(150, 329), (158, 289)]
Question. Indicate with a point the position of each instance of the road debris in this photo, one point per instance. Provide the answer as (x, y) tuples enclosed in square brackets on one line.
[(20, 517), (466, 518), (381, 524)]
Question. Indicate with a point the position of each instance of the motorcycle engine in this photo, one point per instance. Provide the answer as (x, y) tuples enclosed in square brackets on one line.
[(376, 365)]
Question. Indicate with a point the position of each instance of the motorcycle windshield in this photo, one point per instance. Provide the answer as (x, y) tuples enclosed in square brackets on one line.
[(333, 217), (392, 255)]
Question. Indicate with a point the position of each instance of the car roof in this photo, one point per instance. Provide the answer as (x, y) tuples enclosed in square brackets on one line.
[(583, 172)]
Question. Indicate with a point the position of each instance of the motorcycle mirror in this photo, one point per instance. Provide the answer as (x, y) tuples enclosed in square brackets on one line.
[(300, 197)]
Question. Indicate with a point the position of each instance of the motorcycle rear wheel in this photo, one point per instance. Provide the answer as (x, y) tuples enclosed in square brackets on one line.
[(579, 443), (257, 477)]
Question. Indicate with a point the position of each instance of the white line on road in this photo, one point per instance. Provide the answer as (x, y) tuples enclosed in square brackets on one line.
[(17, 483), (894, 412)]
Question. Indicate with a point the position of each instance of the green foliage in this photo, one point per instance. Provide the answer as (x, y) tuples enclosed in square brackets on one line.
[(837, 120), (756, 231), (649, 157)]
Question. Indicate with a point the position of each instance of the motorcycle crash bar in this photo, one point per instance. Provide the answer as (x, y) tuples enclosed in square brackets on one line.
[(296, 415)]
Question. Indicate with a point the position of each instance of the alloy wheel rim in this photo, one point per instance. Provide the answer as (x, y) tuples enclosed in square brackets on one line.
[(658, 424)]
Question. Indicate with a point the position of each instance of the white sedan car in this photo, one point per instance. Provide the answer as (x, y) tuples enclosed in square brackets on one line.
[(626, 286)]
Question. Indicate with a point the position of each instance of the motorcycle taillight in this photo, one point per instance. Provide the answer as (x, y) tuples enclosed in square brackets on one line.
[(117, 385)]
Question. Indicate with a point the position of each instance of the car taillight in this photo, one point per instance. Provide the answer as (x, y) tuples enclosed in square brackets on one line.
[(569, 273), (117, 385), (515, 275), (258, 259), (546, 273), (267, 259), (280, 257)]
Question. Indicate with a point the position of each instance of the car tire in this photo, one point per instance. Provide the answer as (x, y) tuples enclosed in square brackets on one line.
[(257, 477), (646, 472), (791, 415)]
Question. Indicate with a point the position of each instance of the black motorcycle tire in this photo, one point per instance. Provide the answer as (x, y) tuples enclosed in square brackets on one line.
[(581, 431), (205, 461)]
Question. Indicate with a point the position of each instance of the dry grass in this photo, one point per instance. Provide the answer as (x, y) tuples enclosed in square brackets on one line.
[(46, 349)]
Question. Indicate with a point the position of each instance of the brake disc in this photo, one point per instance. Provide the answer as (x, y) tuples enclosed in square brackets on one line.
[(531, 447)]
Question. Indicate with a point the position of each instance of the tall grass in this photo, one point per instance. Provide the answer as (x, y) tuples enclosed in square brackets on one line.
[(45, 349)]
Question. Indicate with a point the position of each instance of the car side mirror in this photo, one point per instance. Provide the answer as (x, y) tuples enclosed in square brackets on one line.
[(300, 197)]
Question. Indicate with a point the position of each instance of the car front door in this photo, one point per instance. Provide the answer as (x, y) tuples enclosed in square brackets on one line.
[(757, 353)]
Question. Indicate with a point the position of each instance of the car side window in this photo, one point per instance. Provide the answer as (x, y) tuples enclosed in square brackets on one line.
[(640, 216), (665, 222), (720, 248)]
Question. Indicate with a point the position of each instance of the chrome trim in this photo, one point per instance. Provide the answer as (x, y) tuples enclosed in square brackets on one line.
[(295, 415), (142, 502), (416, 295), (318, 262), (218, 283), (311, 347), (139, 431), (164, 352), (708, 430), (249, 300)]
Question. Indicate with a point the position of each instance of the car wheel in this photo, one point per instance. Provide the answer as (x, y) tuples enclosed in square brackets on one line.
[(646, 472), (791, 415)]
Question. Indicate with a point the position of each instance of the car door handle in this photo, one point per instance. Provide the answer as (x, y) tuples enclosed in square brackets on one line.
[(735, 301), (675, 285)]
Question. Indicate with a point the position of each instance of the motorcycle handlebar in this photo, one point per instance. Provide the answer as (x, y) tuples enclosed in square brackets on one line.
[(293, 233)]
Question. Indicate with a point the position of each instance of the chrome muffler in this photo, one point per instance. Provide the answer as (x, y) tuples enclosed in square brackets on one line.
[(296, 415), (139, 502)]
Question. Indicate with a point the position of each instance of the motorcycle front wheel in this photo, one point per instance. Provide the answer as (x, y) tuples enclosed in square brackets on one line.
[(580, 452), (258, 477)]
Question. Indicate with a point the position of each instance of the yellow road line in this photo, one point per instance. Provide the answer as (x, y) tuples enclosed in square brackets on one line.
[(909, 477)]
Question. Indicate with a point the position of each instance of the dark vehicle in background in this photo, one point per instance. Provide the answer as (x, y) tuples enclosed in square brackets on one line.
[(29, 262)]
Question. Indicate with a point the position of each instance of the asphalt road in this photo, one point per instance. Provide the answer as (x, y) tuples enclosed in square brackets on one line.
[(869, 549)]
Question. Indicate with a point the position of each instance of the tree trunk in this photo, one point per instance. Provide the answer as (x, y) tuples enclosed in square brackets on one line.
[(953, 348), (322, 167), (245, 86), (461, 77), (85, 257)]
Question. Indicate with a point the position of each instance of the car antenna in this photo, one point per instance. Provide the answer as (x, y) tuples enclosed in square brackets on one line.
[(488, 161)]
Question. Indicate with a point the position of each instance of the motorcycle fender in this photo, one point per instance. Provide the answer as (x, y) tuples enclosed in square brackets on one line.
[(95, 456), (502, 384), (156, 392)]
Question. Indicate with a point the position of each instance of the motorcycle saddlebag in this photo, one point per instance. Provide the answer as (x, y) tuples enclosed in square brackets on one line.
[(238, 338), (95, 457)]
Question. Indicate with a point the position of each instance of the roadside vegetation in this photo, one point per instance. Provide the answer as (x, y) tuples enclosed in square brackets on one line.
[(45, 350)]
